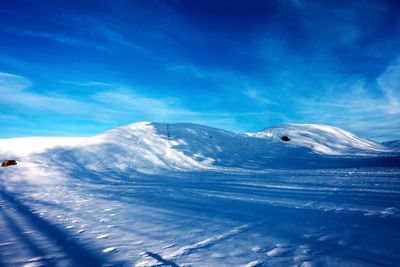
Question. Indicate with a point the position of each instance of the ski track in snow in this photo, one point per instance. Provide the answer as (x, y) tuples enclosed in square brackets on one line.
[(203, 219), (206, 243)]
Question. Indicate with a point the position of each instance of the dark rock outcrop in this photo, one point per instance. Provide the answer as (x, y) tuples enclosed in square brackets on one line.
[(8, 162), (285, 138)]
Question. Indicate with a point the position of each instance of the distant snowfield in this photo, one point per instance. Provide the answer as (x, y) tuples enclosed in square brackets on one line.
[(151, 194)]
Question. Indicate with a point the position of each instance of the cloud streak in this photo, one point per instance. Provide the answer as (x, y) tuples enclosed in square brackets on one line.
[(354, 107), (55, 37), (228, 81), (389, 83), (114, 103)]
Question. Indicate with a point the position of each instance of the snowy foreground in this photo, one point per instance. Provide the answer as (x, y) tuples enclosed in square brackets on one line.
[(188, 195)]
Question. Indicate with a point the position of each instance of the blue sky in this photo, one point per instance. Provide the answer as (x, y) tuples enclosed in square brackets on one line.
[(77, 68)]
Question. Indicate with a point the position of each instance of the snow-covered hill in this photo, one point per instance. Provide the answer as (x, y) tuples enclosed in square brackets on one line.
[(149, 147), (155, 147)]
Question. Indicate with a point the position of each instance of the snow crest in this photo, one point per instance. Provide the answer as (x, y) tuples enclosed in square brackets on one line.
[(155, 147)]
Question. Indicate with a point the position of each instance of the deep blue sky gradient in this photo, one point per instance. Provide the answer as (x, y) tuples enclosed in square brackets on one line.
[(77, 68)]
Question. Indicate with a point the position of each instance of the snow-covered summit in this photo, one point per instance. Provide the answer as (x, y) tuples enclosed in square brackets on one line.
[(322, 139), (142, 146)]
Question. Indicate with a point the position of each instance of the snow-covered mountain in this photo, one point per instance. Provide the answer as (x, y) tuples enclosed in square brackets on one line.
[(155, 147), (150, 147)]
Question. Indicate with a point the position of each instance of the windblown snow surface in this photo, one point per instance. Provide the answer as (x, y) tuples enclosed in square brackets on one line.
[(150, 194)]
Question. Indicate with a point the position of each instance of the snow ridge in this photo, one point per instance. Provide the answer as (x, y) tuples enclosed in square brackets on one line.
[(155, 147)]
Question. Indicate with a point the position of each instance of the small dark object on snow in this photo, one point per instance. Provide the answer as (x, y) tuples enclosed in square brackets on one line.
[(8, 162), (285, 138)]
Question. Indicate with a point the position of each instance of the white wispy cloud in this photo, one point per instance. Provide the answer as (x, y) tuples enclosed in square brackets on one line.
[(112, 103), (257, 96), (9, 60), (104, 105), (229, 81), (88, 84), (217, 75), (63, 39), (13, 83), (131, 102), (55, 37), (16, 95), (107, 30), (352, 106), (114, 36), (389, 83)]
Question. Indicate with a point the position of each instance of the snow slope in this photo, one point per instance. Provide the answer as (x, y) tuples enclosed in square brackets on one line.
[(346, 217), (154, 147), (322, 139)]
